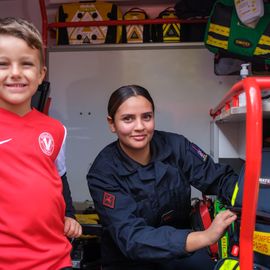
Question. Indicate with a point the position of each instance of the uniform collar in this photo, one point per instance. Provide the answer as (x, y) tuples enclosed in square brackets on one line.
[(160, 151)]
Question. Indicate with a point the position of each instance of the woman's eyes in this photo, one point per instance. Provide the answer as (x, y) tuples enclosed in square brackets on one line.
[(145, 117), (128, 119)]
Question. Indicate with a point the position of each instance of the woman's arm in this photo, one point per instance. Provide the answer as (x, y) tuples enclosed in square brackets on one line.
[(206, 175), (201, 239)]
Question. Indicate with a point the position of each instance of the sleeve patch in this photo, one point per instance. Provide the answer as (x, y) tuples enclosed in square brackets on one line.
[(108, 200), (198, 152)]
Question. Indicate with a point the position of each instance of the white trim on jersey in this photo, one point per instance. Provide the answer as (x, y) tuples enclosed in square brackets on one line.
[(60, 161)]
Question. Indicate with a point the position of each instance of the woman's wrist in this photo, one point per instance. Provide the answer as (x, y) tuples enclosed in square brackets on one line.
[(197, 240)]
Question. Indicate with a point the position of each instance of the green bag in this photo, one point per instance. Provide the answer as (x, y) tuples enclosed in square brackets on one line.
[(225, 34)]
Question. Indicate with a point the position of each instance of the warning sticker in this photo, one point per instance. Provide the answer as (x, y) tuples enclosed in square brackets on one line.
[(261, 242)]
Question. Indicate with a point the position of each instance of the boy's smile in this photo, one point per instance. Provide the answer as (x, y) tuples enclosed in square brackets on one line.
[(20, 74)]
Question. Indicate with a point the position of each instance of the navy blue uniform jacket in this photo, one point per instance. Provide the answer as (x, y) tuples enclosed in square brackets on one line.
[(145, 209)]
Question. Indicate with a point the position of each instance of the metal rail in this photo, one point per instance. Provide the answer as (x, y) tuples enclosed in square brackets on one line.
[(252, 87)]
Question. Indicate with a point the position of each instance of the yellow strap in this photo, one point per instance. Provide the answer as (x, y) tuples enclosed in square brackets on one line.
[(259, 51), (217, 43), (219, 29), (235, 192), (265, 40)]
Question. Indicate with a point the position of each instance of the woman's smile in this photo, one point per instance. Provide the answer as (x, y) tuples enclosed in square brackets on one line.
[(139, 137)]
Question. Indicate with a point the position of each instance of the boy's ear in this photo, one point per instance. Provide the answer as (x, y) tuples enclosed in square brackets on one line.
[(42, 74), (111, 124)]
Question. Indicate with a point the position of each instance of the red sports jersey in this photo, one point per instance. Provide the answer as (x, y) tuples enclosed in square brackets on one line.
[(32, 207)]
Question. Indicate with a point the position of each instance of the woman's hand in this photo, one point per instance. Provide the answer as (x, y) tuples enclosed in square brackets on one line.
[(72, 228), (219, 225), (201, 239)]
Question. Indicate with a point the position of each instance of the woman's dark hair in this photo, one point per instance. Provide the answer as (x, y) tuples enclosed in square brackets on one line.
[(123, 93)]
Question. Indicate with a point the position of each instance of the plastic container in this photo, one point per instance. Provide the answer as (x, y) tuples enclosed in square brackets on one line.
[(249, 11), (244, 72)]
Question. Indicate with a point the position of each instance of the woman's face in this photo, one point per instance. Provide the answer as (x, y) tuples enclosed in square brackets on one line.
[(134, 124)]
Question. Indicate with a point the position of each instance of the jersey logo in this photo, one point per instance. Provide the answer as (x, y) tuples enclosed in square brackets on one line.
[(108, 200), (5, 141), (46, 143)]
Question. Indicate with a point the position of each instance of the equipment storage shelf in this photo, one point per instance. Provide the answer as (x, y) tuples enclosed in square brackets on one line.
[(228, 131), (238, 114), (49, 10), (237, 132), (105, 47)]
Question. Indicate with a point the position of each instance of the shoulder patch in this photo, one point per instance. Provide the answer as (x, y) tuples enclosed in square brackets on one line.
[(265, 182), (108, 200), (198, 152)]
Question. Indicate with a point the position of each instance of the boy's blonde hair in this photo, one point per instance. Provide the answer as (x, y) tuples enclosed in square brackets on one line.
[(24, 30)]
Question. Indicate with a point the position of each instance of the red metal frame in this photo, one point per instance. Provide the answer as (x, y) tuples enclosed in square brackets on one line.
[(252, 87), (47, 26), (44, 18)]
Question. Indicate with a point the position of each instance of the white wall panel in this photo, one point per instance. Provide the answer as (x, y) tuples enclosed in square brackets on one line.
[(181, 81)]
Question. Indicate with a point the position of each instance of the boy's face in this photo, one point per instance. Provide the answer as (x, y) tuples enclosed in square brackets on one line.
[(20, 74)]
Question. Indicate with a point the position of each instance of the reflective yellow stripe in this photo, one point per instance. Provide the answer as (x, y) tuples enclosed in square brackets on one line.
[(229, 264), (224, 246), (134, 33), (219, 29), (176, 27), (217, 43), (261, 242), (264, 40), (171, 39), (260, 51), (169, 36), (235, 192)]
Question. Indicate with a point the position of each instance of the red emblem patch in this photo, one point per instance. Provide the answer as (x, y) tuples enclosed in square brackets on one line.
[(108, 200)]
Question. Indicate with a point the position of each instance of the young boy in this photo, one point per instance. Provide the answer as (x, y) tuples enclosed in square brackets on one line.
[(32, 208)]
